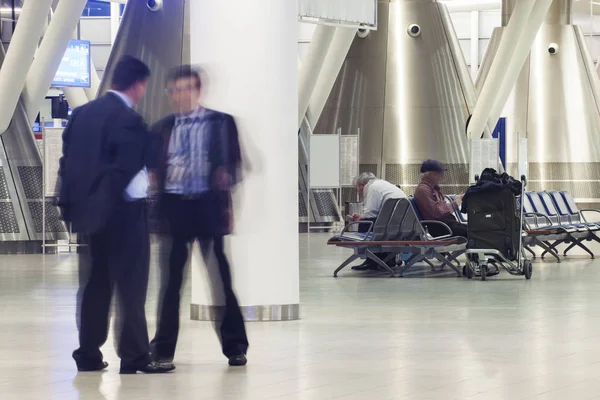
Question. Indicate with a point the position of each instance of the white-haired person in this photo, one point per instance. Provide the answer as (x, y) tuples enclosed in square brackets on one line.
[(374, 192)]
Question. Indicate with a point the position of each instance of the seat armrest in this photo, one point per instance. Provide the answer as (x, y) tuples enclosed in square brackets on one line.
[(358, 223), (589, 210), (439, 223), (539, 215)]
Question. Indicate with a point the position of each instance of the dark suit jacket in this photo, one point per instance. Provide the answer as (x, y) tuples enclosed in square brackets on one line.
[(224, 153), (104, 146)]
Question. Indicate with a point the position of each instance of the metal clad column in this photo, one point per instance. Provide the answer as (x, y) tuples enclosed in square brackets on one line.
[(49, 55), (311, 67), (20, 54), (559, 13), (256, 82), (338, 50)]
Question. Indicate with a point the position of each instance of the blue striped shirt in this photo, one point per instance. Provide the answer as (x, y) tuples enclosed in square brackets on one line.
[(188, 165)]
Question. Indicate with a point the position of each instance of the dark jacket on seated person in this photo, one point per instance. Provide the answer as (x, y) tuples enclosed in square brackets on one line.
[(433, 206)]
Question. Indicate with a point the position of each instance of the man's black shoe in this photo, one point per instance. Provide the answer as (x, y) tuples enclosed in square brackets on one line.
[(161, 360), (368, 265), (152, 368), (92, 367), (363, 267), (238, 361)]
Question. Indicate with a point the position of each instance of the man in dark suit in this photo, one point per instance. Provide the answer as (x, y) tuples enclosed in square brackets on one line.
[(198, 166), (106, 148)]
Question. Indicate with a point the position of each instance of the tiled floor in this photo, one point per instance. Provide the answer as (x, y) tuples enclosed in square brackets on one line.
[(425, 336)]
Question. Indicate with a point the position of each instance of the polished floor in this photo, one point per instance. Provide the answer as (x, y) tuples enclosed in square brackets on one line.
[(425, 336)]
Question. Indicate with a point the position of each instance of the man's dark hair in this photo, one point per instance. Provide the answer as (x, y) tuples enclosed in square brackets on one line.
[(185, 71), (128, 72)]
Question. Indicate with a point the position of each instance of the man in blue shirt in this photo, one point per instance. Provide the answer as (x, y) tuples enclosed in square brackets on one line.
[(198, 168)]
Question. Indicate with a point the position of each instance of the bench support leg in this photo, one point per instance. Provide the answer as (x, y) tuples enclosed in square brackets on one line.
[(445, 262), (382, 264), (426, 261), (345, 264), (585, 248), (530, 251), (544, 246), (416, 258), (454, 257), (550, 248), (594, 237)]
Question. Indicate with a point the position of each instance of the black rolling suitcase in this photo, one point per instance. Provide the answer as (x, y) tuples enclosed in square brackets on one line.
[(494, 222)]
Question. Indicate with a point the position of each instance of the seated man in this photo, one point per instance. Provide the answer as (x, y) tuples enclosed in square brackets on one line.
[(432, 203), (374, 192)]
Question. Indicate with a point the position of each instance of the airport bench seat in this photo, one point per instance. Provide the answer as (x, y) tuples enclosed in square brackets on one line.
[(406, 235), (556, 213)]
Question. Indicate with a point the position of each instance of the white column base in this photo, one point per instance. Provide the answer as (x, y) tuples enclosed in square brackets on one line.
[(279, 312)]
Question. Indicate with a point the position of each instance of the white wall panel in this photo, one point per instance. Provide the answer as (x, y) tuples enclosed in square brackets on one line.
[(488, 20), (96, 30), (462, 24), (586, 22)]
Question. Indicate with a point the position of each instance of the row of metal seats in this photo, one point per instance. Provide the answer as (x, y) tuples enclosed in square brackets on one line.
[(550, 219), (558, 211), (398, 230)]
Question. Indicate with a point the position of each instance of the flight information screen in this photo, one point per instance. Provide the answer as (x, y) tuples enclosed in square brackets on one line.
[(74, 69)]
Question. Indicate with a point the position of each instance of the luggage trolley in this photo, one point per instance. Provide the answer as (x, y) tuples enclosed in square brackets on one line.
[(495, 226)]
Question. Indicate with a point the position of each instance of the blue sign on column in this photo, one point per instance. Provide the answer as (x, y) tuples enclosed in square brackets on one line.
[(500, 134)]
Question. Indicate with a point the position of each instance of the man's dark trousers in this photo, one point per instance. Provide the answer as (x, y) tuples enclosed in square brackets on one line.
[(458, 229), (117, 259), (192, 219), (363, 228)]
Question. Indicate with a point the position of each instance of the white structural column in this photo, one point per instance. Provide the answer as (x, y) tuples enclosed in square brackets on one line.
[(20, 56), (75, 96), (115, 21), (50, 53), (338, 50), (515, 64), (474, 44), (496, 78), (257, 82), (311, 67)]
